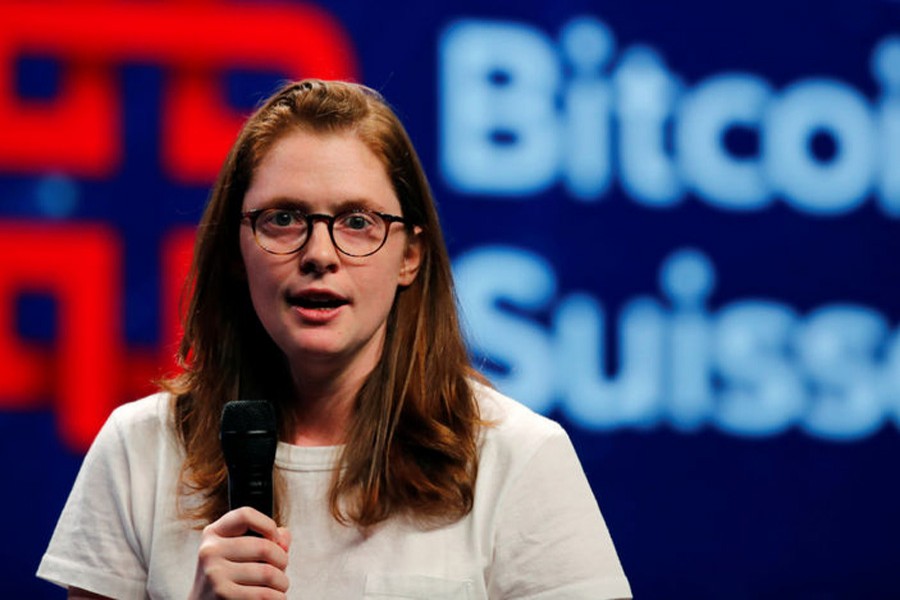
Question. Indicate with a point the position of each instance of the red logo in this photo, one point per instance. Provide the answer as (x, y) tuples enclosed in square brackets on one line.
[(89, 370)]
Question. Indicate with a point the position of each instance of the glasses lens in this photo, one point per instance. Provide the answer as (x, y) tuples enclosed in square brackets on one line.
[(359, 232), (280, 230)]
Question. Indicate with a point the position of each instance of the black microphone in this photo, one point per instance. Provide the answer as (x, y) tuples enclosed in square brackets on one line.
[(249, 439)]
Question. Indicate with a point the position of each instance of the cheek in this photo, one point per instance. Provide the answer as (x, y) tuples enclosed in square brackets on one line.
[(261, 275), (257, 282), (381, 286)]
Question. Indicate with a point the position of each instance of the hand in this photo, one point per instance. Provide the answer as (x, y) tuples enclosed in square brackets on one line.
[(233, 564)]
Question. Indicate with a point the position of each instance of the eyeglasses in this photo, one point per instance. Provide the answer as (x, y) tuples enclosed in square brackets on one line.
[(356, 232)]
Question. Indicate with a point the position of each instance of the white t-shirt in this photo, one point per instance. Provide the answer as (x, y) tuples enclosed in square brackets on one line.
[(535, 530)]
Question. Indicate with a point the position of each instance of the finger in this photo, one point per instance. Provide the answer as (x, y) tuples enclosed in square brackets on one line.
[(238, 521), (284, 538), (244, 549), (259, 575), (230, 589)]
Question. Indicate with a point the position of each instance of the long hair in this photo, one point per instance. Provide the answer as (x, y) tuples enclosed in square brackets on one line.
[(411, 446)]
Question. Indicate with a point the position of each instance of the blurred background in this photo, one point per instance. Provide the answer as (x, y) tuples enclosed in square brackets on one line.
[(674, 228)]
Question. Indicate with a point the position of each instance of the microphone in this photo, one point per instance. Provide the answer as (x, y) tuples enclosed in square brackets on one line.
[(249, 439)]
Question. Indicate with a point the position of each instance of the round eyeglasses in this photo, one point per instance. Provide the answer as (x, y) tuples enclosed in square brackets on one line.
[(356, 232)]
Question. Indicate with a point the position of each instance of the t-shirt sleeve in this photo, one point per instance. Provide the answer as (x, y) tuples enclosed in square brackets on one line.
[(95, 545), (551, 541)]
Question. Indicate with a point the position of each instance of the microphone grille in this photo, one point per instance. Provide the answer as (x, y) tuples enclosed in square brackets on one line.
[(246, 416)]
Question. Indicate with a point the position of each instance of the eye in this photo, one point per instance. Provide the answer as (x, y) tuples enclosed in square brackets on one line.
[(278, 217), (356, 221)]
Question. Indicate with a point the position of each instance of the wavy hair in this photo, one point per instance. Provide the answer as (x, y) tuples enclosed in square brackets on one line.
[(412, 440)]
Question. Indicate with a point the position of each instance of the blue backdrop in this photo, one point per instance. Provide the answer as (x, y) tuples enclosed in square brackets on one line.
[(673, 224)]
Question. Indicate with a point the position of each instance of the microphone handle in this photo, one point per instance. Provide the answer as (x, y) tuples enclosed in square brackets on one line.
[(251, 487)]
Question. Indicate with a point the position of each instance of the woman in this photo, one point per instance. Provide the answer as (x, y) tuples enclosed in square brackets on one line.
[(321, 281)]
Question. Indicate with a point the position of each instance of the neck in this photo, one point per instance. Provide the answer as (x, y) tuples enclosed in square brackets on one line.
[(324, 407), (326, 388)]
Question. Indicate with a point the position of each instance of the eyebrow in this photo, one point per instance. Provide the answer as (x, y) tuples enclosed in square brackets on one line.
[(303, 206)]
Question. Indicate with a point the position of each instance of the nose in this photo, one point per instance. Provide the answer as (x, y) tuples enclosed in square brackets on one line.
[(318, 254)]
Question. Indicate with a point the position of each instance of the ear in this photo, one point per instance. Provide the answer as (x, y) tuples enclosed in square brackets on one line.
[(412, 258)]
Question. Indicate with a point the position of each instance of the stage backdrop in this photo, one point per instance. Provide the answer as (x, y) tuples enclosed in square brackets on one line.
[(674, 227)]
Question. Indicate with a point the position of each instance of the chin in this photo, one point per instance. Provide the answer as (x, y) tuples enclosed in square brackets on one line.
[(319, 349)]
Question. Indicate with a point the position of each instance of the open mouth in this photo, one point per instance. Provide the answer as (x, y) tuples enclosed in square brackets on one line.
[(317, 301)]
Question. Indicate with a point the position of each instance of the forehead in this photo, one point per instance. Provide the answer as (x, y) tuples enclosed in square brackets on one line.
[(320, 171)]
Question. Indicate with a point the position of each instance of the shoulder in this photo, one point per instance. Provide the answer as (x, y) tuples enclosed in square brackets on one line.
[(136, 452), (508, 418), (140, 423), (513, 433), (152, 410)]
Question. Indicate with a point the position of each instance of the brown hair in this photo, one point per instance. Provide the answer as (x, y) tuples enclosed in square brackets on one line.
[(411, 444)]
